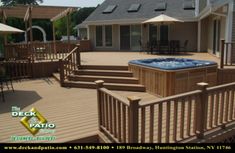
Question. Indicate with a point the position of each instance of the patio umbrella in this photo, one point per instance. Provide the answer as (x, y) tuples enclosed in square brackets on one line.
[(162, 19), (5, 29)]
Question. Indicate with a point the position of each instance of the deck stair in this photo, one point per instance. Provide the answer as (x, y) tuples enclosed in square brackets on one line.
[(115, 78)]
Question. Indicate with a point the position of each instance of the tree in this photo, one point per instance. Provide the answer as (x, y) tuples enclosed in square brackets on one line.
[(76, 18), (14, 2)]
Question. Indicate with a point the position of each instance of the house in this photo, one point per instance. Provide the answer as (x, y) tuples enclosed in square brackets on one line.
[(117, 24)]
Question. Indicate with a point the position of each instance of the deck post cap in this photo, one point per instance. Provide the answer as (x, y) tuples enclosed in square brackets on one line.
[(134, 98), (99, 83), (202, 84)]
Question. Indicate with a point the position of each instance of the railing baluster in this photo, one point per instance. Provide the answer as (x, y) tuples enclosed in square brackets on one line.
[(182, 118), (211, 110), (227, 105), (216, 119), (119, 121), (160, 123), (196, 100), (221, 108), (231, 55), (168, 116), (107, 112), (232, 105), (151, 124), (189, 116), (226, 54), (111, 114), (143, 125), (124, 123), (175, 121), (115, 117)]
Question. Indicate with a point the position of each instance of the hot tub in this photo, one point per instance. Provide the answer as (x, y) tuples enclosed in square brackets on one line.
[(170, 76)]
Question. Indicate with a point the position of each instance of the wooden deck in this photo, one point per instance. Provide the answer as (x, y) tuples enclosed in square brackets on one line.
[(74, 111)]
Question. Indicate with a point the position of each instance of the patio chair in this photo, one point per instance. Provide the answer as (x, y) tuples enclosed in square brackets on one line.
[(5, 78), (184, 47), (144, 47)]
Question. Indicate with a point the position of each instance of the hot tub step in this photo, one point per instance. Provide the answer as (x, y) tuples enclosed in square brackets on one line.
[(110, 86), (104, 73), (104, 67), (107, 79)]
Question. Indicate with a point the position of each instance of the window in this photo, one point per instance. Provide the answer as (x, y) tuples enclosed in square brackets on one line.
[(109, 9), (164, 34), (160, 6), (99, 36), (152, 32), (189, 5), (134, 8), (104, 36), (108, 36)]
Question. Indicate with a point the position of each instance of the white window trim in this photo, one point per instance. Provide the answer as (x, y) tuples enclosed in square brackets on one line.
[(103, 37)]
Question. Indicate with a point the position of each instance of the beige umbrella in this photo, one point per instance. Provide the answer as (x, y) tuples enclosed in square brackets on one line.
[(162, 19), (5, 29)]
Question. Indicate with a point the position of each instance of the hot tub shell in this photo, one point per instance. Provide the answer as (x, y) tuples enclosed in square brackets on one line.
[(171, 82)]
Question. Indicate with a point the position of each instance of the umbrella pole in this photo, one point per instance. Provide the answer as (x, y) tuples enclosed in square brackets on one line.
[(4, 21)]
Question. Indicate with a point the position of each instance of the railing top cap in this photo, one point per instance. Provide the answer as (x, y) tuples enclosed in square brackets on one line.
[(133, 98)]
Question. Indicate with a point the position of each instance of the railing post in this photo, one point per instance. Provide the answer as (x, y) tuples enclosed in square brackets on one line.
[(78, 55), (201, 107), (61, 63), (30, 72), (222, 54), (99, 84), (133, 119)]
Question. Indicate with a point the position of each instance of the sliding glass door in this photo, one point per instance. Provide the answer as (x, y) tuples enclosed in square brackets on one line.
[(135, 37), (125, 37), (130, 37)]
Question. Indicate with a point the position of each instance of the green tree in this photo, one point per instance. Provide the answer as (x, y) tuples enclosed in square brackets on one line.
[(14, 2), (76, 18)]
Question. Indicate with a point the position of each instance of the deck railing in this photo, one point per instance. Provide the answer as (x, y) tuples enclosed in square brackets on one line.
[(168, 120), (38, 50), (69, 64), (227, 56), (18, 69)]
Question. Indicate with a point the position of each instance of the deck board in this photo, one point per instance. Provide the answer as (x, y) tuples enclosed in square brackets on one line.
[(73, 110)]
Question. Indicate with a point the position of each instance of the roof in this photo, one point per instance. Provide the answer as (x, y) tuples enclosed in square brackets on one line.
[(146, 11), (38, 12), (81, 25)]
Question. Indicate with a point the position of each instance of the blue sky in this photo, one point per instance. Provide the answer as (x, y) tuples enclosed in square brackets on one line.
[(76, 3)]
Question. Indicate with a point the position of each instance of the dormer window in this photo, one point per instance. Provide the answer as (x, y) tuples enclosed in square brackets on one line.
[(134, 8), (109, 9), (189, 5), (161, 6)]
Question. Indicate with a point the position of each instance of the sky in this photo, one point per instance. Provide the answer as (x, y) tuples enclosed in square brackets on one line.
[(76, 3)]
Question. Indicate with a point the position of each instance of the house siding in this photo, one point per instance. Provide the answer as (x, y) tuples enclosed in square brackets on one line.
[(184, 31), (177, 31), (202, 5)]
